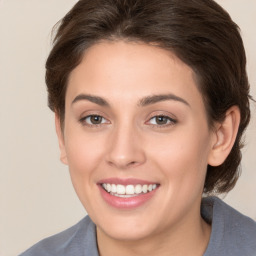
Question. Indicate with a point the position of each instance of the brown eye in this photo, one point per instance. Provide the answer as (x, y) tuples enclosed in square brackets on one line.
[(96, 119), (162, 120), (93, 120)]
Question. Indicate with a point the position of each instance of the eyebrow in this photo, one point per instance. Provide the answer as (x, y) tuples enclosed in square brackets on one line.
[(142, 103), (94, 99), (161, 97)]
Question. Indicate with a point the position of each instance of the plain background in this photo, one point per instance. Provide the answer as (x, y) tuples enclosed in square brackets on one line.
[(36, 195)]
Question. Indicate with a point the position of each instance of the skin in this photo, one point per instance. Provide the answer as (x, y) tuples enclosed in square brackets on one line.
[(130, 142)]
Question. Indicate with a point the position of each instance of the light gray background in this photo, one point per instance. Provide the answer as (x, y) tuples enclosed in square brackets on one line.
[(36, 195)]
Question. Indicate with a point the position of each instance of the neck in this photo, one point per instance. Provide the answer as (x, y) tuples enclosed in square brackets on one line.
[(190, 238)]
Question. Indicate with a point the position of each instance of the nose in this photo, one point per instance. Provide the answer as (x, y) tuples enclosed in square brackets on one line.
[(125, 148)]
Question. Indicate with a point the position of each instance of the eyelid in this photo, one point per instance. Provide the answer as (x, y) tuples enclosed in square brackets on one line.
[(86, 117), (89, 114), (173, 120)]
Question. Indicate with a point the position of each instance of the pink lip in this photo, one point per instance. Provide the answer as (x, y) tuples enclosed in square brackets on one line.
[(126, 203)]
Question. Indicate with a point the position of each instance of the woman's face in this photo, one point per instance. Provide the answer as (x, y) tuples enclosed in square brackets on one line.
[(136, 140)]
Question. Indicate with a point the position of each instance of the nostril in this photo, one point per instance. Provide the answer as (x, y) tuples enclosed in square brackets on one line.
[(123, 165), (132, 163)]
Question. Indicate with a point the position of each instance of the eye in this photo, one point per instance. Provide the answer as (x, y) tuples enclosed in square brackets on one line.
[(161, 120), (93, 120)]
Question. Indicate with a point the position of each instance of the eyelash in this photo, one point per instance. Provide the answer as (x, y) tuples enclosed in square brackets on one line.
[(86, 123), (170, 121)]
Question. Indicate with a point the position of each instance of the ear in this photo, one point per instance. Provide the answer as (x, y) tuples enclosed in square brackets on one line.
[(63, 155), (224, 137)]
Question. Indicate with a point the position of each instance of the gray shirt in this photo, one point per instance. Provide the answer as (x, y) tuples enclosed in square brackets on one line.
[(233, 234)]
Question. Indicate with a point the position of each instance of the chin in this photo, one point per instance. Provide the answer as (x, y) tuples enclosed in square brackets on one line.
[(126, 233), (126, 229)]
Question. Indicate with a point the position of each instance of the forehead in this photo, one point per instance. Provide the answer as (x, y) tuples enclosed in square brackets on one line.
[(130, 70)]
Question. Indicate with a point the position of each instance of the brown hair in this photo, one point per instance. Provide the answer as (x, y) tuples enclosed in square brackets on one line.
[(199, 32)]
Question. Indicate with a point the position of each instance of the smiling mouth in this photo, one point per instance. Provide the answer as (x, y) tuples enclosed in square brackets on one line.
[(128, 190)]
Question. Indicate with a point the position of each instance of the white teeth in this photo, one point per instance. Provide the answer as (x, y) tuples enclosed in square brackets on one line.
[(145, 188), (120, 189), (138, 189), (129, 190), (108, 187), (113, 188)]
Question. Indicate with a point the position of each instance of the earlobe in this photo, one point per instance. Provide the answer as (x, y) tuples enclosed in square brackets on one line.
[(63, 155), (225, 136)]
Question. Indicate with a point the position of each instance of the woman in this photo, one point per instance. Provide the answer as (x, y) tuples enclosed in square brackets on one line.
[(151, 100)]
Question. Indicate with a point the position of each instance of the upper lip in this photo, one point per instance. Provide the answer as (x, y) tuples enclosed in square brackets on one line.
[(129, 181)]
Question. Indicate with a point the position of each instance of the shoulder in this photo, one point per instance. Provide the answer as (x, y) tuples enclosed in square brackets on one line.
[(73, 241), (232, 232)]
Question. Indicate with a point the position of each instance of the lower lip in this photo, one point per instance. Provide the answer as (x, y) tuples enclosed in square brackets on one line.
[(126, 203)]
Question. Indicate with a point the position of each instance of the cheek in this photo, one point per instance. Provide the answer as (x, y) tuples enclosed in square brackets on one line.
[(182, 156), (83, 156), (83, 153)]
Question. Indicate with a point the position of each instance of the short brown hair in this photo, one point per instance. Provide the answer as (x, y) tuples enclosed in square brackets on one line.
[(199, 32)]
